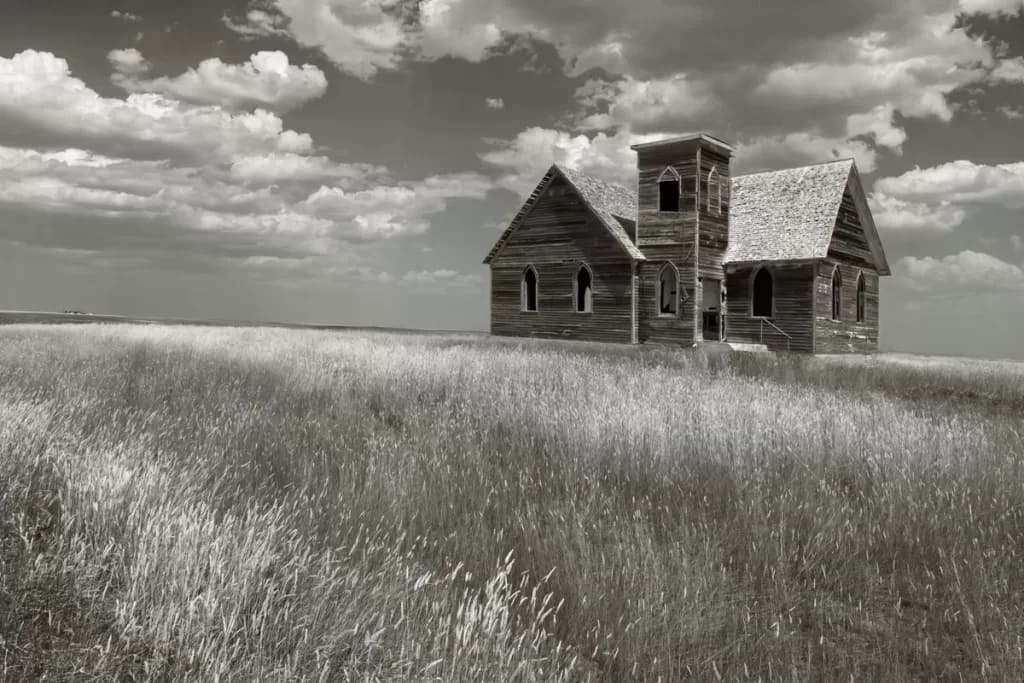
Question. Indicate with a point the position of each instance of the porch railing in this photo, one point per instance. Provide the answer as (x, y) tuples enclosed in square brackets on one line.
[(777, 329)]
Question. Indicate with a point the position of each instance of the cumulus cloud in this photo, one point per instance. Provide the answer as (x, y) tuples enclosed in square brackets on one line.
[(125, 16), (152, 175), (962, 182), (268, 80), (968, 270), (992, 7), (38, 92), (128, 62), (359, 37), (1010, 70), (676, 100), (258, 24), (392, 210), (892, 213)]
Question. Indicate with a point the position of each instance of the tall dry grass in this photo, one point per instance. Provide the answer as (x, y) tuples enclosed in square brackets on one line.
[(182, 503)]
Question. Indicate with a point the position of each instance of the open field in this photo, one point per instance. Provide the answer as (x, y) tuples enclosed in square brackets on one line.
[(184, 502)]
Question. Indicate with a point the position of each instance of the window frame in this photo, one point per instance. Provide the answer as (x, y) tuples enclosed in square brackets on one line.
[(524, 297), (837, 294), (753, 292), (714, 176), (678, 180), (657, 293), (576, 288), (862, 298)]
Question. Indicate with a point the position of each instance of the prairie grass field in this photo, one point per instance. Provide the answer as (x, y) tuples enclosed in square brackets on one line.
[(218, 503)]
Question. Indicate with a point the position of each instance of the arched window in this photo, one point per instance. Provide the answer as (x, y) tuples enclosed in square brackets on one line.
[(583, 292), (669, 190), (714, 192), (861, 297), (762, 303), (529, 289), (668, 290), (837, 286)]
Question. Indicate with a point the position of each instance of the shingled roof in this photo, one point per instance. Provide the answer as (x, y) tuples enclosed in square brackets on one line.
[(784, 215), (608, 201), (787, 214)]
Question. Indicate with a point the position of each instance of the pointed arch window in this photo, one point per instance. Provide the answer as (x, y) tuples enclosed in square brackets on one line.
[(714, 192), (861, 297), (837, 288), (583, 290), (668, 290), (763, 296), (669, 190), (529, 290)]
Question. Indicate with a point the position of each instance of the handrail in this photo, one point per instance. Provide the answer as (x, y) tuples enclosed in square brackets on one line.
[(777, 329)]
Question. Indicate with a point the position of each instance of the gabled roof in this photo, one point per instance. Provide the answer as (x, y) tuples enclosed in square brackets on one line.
[(785, 215), (790, 214), (605, 200)]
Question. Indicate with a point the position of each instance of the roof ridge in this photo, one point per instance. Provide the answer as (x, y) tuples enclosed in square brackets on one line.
[(796, 168)]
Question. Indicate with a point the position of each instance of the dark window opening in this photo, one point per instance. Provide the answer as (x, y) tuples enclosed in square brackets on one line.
[(529, 290), (584, 291), (861, 296), (668, 299), (668, 195), (763, 294), (837, 285)]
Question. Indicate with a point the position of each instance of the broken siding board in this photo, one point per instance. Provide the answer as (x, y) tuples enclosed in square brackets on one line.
[(793, 298), (845, 335)]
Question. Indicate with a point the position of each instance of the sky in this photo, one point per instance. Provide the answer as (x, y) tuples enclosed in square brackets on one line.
[(353, 161)]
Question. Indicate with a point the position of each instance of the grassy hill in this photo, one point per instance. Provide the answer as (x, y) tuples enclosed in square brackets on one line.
[(281, 504)]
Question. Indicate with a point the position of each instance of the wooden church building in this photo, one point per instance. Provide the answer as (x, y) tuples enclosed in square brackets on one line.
[(783, 260)]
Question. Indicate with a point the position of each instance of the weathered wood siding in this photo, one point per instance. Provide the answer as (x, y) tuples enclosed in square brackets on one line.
[(845, 335), (667, 237), (714, 228), (557, 236), (793, 301), (657, 328), (849, 249), (849, 244)]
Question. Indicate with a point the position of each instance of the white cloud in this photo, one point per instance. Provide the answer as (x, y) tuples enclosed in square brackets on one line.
[(495, 103), (968, 270), (962, 182), (287, 167), (442, 277), (37, 91), (258, 24), (891, 213), (646, 104), (267, 80), (992, 7), (528, 156), (1011, 112), (769, 153), (128, 62), (125, 16), (456, 28), (360, 37), (391, 210), (1011, 70)]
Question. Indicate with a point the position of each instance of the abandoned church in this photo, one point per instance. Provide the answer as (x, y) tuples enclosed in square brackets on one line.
[(778, 260)]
